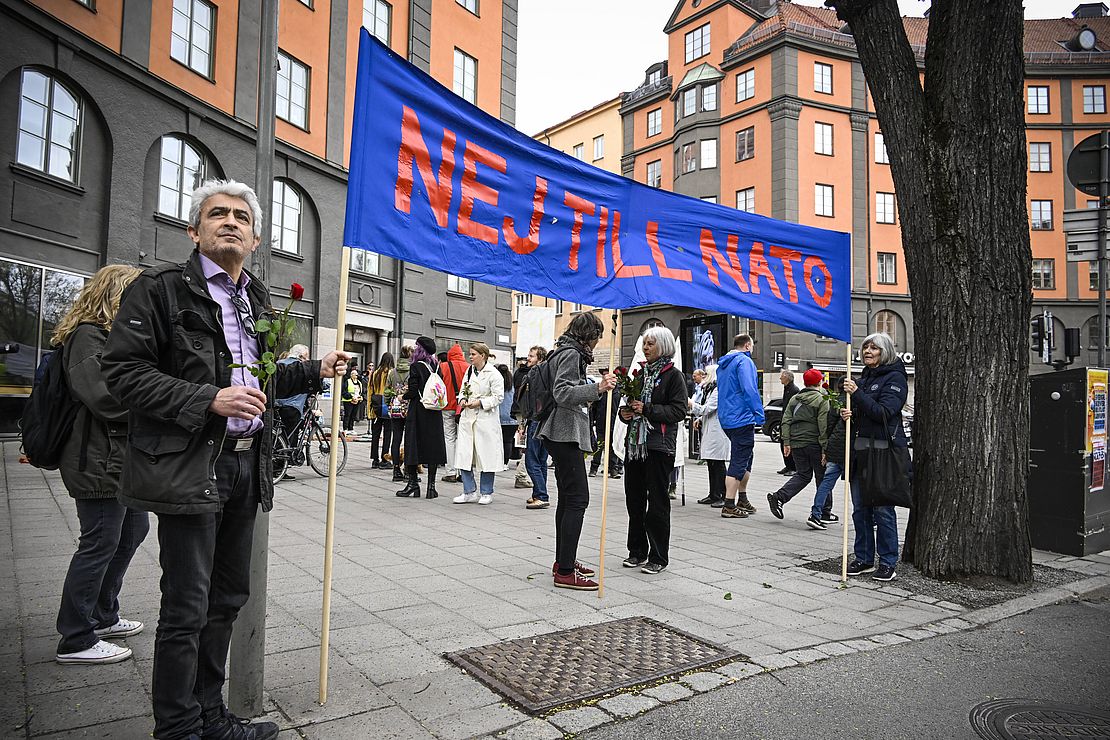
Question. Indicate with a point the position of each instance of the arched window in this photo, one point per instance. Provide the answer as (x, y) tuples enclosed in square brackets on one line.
[(1090, 332), (49, 125), (182, 168), (887, 322), (287, 217)]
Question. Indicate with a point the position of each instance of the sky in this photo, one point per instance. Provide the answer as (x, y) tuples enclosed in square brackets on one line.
[(574, 54)]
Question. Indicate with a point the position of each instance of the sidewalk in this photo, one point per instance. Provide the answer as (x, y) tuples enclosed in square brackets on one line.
[(414, 579)]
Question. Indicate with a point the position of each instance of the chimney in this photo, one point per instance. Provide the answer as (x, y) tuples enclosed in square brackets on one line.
[(1090, 10)]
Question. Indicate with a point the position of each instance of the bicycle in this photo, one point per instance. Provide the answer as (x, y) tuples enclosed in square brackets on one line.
[(307, 441)]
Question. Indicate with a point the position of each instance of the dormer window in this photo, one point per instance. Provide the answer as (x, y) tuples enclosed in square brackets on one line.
[(654, 76)]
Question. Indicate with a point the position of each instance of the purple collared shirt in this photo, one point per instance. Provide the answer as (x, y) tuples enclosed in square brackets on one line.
[(244, 348)]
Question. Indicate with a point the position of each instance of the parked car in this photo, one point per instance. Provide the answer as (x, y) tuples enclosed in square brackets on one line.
[(772, 419)]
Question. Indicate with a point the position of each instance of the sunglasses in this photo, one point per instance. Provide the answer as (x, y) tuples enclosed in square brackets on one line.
[(245, 317)]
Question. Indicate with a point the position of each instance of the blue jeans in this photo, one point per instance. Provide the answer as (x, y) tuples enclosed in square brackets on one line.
[(468, 481), (833, 471), (868, 519), (535, 462)]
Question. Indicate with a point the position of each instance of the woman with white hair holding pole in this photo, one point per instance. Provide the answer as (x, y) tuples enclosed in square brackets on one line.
[(653, 419)]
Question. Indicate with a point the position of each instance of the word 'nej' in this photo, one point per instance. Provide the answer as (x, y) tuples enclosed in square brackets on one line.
[(438, 182)]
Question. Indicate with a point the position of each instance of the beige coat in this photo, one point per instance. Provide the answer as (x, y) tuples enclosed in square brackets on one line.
[(480, 447)]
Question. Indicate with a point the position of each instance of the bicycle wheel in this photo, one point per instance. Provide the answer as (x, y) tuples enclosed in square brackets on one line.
[(280, 459), (318, 447)]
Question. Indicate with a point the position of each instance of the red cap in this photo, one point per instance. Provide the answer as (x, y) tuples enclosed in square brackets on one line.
[(813, 377)]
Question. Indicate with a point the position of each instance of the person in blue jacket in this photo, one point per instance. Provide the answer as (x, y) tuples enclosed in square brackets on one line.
[(740, 411)]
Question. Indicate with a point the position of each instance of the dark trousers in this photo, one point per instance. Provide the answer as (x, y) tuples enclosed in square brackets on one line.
[(508, 436), (350, 416), (398, 427), (787, 462), (206, 562), (807, 462), (382, 429), (110, 534), (649, 506), (574, 499), (716, 479)]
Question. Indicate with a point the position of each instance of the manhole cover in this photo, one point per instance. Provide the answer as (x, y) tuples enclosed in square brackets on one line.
[(1010, 719), (547, 671)]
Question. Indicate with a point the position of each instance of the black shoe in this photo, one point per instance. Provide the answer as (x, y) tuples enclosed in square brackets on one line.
[(230, 727), (289, 477), (432, 493), (398, 475), (718, 504), (784, 471), (615, 475), (885, 573), (411, 489), (593, 472), (815, 523), (858, 568), (776, 505), (706, 500), (830, 518), (634, 562), (384, 465)]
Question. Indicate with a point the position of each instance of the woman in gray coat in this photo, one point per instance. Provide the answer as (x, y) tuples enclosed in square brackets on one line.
[(90, 468), (715, 447), (566, 434)]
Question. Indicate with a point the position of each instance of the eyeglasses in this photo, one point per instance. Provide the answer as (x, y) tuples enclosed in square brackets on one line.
[(244, 311)]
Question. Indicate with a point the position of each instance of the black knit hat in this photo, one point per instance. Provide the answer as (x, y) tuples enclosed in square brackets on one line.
[(428, 344)]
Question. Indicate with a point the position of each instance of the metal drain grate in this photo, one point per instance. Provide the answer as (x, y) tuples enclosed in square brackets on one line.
[(547, 671), (1013, 719)]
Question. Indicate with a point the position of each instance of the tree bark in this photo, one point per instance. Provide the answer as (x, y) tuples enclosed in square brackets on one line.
[(957, 156)]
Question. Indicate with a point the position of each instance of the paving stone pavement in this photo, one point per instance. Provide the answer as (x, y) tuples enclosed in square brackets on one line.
[(414, 579)]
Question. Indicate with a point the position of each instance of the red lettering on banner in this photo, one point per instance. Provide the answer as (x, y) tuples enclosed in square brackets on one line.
[(528, 244), (581, 206), (710, 254), (414, 150), (788, 256), (826, 297), (620, 269), (758, 266), (660, 260), (602, 229), (473, 190)]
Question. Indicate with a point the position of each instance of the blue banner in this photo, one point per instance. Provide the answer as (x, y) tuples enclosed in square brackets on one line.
[(438, 182)]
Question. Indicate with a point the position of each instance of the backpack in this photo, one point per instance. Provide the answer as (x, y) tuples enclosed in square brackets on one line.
[(49, 414), (537, 394), (434, 395)]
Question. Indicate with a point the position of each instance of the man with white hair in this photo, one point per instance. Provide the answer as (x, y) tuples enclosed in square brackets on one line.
[(199, 447)]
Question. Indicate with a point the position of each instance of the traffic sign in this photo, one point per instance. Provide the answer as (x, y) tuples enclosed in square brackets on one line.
[(1085, 165), (1081, 234)]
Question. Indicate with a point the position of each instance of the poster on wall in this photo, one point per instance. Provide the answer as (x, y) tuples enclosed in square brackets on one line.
[(535, 327), (1096, 426), (703, 341)]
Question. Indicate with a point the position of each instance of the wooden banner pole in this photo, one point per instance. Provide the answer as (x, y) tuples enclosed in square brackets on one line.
[(333, 459), (847, 472), (605, 458)]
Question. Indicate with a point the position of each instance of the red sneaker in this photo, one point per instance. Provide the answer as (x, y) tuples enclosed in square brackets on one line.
[(582, 570), (576, 581)]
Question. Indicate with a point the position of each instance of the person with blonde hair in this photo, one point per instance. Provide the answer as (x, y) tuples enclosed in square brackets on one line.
[(90, 466), (479, 447)]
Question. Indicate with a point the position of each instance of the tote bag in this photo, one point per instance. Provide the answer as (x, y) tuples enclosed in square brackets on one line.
[(882, 470)]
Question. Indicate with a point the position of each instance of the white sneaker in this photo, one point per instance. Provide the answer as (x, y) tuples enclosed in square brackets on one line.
[(101, 652), (466, 498), (485, 498), (122, 628)]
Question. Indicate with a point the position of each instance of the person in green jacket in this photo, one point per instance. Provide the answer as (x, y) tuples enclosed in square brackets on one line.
[(804, 436)]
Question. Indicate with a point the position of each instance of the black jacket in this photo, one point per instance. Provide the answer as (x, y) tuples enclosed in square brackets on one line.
[(424, 443), (165, 360), (882, 387), (666, 410)]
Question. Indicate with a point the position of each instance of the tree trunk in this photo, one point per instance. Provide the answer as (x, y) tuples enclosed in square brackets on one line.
[(957, 156)]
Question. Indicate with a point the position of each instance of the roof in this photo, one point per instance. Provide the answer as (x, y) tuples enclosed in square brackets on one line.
[(701, 73)]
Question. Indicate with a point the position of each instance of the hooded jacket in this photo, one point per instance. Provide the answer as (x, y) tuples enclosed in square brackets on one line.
[(739, 403), (453, 371), (805, 421)]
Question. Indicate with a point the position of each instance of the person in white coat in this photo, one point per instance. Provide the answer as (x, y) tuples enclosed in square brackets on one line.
[(715, 448), (479, 445)]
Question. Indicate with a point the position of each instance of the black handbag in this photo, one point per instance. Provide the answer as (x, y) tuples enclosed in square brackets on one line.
[(882, 470)]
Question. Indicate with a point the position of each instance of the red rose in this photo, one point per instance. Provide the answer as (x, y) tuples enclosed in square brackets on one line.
[(296, 291)]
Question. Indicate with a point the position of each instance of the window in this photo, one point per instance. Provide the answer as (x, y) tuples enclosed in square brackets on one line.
[(745, 143), (689, 158), (1092, 204), (1037, 99), (697, 43), (689, 102), (1092, 272), (471, 5), (522, 299), (558, 307), (880, 150), (460, 285), (655, 173), (1092, 332), (823, 138), (1041, 215), (823, 200), (191, 38), (708, 154), (181, 170), (656, 75), (887, 273), (745, 85), (884, 208), (579, 151), (887, 322), (364, 261), (49, 126), (286, 217), (599, 147), (709, 198), (466, 77), (745, 200), (1044, 274), (292, 91), (654, 121), (709, 97), (1094, 98), (822, 78), (1040, 157), (376, 18)]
